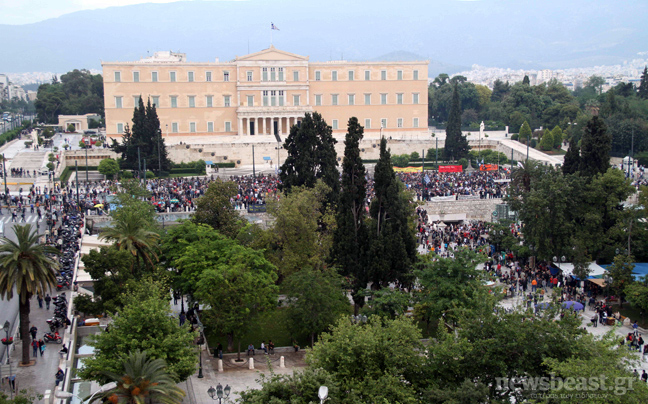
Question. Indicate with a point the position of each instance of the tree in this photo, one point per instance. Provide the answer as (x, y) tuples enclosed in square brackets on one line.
[(500, 89), (26, 269), (388, 303), (595, 148), (374, 362), (637, 295), (526, 81), (79, 92), (311, 156), (295, 388), (215, 208), (142, 380), (572, 158), (130, 200), (111, 270), (643, 85), (108, 167), (456, 145), (621, 273), (525, 131), (350, 238), (547, 142), (557, 136), (145, 323), (236, 282), (392, 243), (595, 82), (316, 299)]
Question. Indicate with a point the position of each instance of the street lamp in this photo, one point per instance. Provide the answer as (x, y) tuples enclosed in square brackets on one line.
[(217, 393), (67, 394), (322, 394), (159, 131), (559, 260), (359, 319)]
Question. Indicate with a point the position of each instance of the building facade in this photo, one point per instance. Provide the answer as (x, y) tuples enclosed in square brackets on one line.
[(265, 93)]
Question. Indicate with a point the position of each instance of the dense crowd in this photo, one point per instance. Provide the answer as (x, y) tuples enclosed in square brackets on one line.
[(431, 184)]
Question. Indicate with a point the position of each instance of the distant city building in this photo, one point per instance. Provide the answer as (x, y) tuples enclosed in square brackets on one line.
[(80, 122), (10, 91), (265, 93)]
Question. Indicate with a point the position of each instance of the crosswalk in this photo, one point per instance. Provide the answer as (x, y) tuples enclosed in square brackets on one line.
[(29, 218)]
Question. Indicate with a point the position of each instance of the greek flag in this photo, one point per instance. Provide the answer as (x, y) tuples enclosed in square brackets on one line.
[(427, 179), (272, 26)]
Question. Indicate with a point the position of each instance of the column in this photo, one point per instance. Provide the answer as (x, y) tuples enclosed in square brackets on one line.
[(279, 119), (240, 126), (259, 122)]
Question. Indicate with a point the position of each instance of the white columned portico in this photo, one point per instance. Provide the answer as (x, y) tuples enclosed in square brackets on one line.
[(259, 122), (249, 125), (240, 126), (279, 118)]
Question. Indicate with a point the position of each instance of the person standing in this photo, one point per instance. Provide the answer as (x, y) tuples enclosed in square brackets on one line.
[(33, 330), (41, 347), (48, 300), (219, 351), (40, 301), (34, 345)]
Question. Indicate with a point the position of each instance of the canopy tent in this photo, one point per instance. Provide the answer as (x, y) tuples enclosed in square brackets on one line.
[(640, 270), (567, 268), (597, 281)]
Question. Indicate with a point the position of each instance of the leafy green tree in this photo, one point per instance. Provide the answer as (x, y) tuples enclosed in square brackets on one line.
[(637, 295), (557, 136), (316, 299), (388, 303), (351, 238), (26, 269), (215, 208), (621, 273), (296, 388), (595, 82), (547, 142), (374, 362), (456, 145), (500, 89), (595, 148), (79, 92), (108, 167), (643, 84), (311, 156), (525, 131), (571, 163), (526, 81), (392, 243), (131, 233), (142, 380), (110, 270), (235, 282), (145, 323)]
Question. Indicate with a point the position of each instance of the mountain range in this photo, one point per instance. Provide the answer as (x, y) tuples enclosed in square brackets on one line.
[(451, 34)]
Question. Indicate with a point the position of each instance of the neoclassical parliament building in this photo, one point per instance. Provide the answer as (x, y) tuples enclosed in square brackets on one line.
[(265, 93)]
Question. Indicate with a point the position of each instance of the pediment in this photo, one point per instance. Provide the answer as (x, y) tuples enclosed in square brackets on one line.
[(271, 53)]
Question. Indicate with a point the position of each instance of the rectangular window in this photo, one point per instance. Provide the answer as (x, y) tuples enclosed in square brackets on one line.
[(367, 99), (265, 73), (273, 74), (225, 76), (334, 75), (210, 127), (399, 75), (335, 124), (250, 100), (209, 101), (117, 77), (174, 127), (228, 126), (118, 102), (415, 123), (415, 98), (415, 74), (192, 127), (318, 76), (281, 75), (192, 101), (367, 74), (172, 76), (281, 98), (190, 76), (383, 99), (265, 98), (318, 100), (273, 98), (367, 123), (156, 101), (399, 98), (249, 75), (154, 77), (208, 76), (383, 123), (400, 122), (296, 100), (135, 77), (226, 100), (383, 75), (120, 128), (295, 75), (351, 75), (351, 99), (136, 99), (334, 99), (174, 101)]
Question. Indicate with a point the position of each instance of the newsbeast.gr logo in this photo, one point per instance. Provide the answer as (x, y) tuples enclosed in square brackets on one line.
[(599, 384)]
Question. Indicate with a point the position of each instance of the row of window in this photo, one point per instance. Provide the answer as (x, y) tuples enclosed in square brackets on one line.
[(228, 125), (268, 98), (267, 74)]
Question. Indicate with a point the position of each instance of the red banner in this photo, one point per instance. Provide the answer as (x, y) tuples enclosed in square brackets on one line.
[(488, 167), (450, 169)]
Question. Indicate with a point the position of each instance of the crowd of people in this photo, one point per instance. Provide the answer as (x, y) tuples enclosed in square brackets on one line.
[(432, 184)]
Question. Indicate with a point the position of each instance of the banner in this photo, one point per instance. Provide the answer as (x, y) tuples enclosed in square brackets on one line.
[(488, 167), (467, 197), (408, 169), (442, 198), (450, 169), (256, 208), (502, 180)]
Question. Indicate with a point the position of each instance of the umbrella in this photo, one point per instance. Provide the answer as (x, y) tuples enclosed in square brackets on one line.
[(99, 205), (573, 305), (542, 306)]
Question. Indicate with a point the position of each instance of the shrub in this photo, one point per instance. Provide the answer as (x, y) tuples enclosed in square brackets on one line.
[(71, 128), (126, 174), (400, 160), (464, 162), (414, 156), (515, 136)]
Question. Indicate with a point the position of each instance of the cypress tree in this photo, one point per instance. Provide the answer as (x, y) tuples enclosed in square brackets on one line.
[(526, 80), (393, 246), (456, 145), (557, 135), (547, 142), (525, 131), (350, 237), (157, 141), (643, 85), (572, 158), (595, 148)]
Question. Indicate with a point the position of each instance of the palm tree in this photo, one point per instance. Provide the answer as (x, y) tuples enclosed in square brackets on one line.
[(144, 381), (28, 267), (130, 233), (521, 177)]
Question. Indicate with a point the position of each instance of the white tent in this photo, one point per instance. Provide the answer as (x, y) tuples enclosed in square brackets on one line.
[(568, 268)]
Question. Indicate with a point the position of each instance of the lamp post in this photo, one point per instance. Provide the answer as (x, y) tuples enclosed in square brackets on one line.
[(218, 392), (67, 394), (159, 158), (558, 260), (322, 394)]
